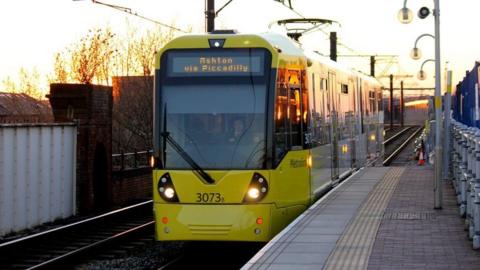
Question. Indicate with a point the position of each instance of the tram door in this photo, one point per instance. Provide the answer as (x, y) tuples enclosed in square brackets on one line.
[(332, 91)]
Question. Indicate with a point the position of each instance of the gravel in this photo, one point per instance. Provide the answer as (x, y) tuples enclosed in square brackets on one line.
[(152, 255)]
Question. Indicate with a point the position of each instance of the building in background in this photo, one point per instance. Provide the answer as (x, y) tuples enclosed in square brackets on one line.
[(22, 108), (132, 113)]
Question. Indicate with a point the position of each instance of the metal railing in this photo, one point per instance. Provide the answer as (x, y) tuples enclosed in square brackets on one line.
[(135, 160), (465, 169)]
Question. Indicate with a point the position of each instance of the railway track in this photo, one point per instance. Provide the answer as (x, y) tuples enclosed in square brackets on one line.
[(397, 142), (389, 132), (70, 243)]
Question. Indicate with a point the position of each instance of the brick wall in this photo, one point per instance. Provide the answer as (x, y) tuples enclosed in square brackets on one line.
[(91, 107), (130, 186)]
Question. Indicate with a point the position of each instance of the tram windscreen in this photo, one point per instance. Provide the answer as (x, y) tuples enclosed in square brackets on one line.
[(219, 121)]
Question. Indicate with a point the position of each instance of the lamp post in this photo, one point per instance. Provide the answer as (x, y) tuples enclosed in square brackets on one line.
[(211, 14), (416, 52), (421, 74), (405, 16)]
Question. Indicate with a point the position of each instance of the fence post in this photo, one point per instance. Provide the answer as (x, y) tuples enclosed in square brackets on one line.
[(458, 159), (147, 157), (463, 173), (454, 159), (470, 179), (135, 154), (122, 161)]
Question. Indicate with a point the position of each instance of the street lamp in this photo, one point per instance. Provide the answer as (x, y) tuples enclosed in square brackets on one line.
[(422, 75), (404, 17), (416, 53)]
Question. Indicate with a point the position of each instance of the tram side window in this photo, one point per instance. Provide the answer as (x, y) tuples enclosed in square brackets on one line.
[(362, 110), (306, 137), (323, 84), (317, 113), (291, 112), (296, 115), (371, 97), (325, 127), (282, 122), (379, 101)]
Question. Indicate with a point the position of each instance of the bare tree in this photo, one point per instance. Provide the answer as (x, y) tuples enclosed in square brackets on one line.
[(124, 62), (60, 70), (91, 57), (9, 85), (30, 83), (27, 82), (86, 61), (101, 54), (145, 48), (132, 116)]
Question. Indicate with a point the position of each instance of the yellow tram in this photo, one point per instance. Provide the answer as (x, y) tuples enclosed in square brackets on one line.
[(249, 130)]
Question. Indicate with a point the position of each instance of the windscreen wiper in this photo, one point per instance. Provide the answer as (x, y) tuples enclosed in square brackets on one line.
[(167, 138)]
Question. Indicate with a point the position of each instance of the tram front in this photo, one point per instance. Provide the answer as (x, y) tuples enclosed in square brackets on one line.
[(210, 140)]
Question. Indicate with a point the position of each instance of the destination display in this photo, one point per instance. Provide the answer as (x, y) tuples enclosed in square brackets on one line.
[(210, 64)]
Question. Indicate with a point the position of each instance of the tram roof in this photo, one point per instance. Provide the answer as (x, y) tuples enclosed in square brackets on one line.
[(291, 47), (286, 45)]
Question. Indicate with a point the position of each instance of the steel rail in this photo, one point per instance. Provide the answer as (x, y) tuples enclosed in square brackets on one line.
[(75, 224), (71, 254), (102, 229), (172, 263), (390, 158), (396, 135)]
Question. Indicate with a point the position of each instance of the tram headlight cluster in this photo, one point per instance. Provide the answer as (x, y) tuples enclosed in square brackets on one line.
[(257, 189), (166, 188), (253, 193)]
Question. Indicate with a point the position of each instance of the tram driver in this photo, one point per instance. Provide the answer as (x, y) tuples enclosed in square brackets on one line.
[(238, 131)]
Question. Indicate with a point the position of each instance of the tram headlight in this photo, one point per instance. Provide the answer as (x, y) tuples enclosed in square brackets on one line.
[(169, 192), (257, 189), (253, 193), (166, 188)]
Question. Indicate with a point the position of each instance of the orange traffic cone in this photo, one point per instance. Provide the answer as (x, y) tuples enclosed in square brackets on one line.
[(421, 158)]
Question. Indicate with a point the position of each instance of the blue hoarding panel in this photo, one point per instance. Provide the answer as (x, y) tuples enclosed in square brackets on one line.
[(466, 99)]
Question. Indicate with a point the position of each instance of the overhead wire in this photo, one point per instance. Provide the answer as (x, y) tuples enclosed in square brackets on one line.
[(320, 29), (131, 12)]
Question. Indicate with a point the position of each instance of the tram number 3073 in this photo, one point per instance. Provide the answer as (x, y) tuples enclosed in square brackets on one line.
[(211, 197)]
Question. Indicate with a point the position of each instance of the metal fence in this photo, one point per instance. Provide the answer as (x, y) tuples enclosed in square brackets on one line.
[(37, 174), (465, 162), (135, 160)]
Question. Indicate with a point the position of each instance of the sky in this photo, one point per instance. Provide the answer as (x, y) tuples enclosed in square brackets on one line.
[(33, 31)]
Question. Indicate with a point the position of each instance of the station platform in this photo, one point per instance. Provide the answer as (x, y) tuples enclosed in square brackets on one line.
[(380, 218)]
